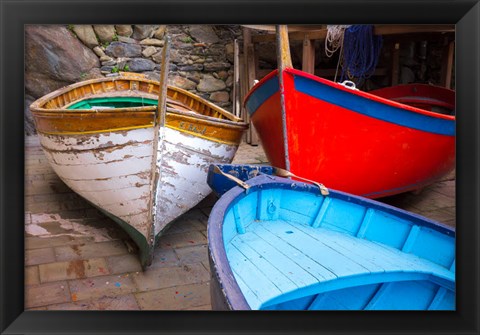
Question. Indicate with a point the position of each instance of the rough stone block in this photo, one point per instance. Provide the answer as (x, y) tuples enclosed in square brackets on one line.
[(141, 31), (120, 49), (210, 84), (153, 42), (86, 34), (141, 64), (105, 32), (203, 33), (220, 96), (182, 82), (124, 30), (149, 51)]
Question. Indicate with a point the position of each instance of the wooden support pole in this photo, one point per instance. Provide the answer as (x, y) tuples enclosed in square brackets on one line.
[(447, 66), (308, 56), (395, 63), (250, 76), (236, 80)]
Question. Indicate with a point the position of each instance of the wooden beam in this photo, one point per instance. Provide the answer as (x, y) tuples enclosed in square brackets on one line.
[(308, 56), (381, 29), (387, 29), (291, 27), (447, 65), (250, 76)]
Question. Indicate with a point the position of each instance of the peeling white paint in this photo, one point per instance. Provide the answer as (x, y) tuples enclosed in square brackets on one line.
[(184, 162), (71, 228), (113, 171)]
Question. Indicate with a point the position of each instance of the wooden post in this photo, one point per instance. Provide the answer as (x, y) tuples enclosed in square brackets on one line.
[(236, 80), (249, 64), (243, 92), (308, 55), (447, 66), (395, 63)]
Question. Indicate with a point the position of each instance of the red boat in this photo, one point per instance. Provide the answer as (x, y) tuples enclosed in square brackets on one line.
[(375, 144)]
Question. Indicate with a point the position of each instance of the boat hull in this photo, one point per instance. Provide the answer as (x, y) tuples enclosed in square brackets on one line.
[(141, 175), (353, 141), (295, 249)]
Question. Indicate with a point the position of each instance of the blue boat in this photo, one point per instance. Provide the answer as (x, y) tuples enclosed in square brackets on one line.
[(281, 244)]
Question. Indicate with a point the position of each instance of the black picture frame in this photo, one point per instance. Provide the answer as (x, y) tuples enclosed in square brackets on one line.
[(465, 14)]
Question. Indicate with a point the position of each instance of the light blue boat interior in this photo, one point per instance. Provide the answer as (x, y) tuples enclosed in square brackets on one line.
[(291, 249)]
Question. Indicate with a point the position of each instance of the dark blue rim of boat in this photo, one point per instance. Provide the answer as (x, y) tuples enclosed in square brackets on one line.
[(356, 103), (222, 271)]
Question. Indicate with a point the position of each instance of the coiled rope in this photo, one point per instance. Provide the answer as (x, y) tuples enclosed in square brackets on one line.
[(361, 51), (334, 38), (334, 41)]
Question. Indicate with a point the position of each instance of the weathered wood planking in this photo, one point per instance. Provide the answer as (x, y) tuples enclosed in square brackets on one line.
[(108, 171)]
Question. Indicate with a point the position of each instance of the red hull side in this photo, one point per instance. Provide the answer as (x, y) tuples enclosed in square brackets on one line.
[(351, 151), (269, 127)]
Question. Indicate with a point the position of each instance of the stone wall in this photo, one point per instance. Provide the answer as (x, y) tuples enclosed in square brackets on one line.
[(201, 57)]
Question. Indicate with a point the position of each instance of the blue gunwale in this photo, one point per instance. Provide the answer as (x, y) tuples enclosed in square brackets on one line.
[(221, 268), (375, 109), (358, 102), (265, 89)]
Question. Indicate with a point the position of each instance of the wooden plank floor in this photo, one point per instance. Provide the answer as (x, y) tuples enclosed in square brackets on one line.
[(277, 257)]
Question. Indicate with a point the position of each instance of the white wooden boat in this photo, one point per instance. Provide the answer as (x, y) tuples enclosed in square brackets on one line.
[(141, 166)]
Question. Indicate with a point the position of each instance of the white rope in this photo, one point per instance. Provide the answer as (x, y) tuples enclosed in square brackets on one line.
[(334, 38)]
